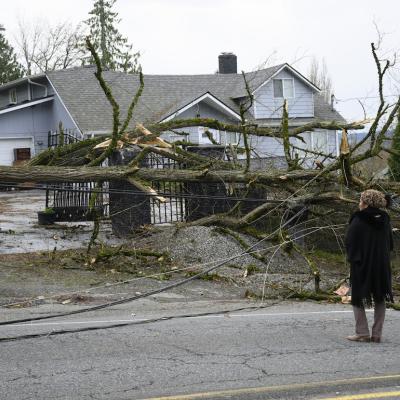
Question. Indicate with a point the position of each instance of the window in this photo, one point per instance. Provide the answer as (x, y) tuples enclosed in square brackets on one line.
[(283, 88), (231, 137), (204, 135), (320, 141), (12, 93)]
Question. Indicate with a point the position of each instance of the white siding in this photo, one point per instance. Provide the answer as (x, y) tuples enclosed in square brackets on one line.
[(7, 147), (266, 146), (28, 122), (21, 91), (332, 144), (35, 121), (322, 141), (266, 106)]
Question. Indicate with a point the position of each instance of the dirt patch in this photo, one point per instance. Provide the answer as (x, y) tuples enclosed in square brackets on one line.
[(70, 277), (156, 258)]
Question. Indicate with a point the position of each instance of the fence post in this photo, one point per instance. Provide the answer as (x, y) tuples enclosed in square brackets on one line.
[(129, 208), (199, 204)]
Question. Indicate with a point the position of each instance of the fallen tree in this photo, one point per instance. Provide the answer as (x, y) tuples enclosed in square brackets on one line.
[(89, 153), (326, 191), (330, 184)]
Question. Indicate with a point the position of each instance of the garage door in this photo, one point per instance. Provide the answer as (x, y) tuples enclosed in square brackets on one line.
[(7, 147)]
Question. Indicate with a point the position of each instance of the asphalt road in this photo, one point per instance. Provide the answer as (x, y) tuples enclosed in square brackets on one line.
[(288, 351)]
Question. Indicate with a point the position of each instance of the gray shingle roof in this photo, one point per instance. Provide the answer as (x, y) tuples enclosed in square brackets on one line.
[(162, 94)]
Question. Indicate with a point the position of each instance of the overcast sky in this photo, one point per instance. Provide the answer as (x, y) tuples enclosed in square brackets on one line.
[(186, 36)]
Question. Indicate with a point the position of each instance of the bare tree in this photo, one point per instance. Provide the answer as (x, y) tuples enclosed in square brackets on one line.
[(319, 75), (43, 47)]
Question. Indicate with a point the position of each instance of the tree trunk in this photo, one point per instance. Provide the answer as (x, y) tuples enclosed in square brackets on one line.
[(82, 174)]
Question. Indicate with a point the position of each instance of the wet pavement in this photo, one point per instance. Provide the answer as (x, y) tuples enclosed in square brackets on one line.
[(20, 232)]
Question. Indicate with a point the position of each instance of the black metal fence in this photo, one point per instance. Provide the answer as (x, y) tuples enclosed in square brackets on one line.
[(174, 208), (55, 138), (129, 208), (71, 201)]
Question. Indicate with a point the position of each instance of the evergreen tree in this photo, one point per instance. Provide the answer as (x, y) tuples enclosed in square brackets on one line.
[(10, 69), (394, 159), (114, 51)]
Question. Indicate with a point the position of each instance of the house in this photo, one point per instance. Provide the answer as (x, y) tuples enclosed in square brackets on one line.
[(33, 107)]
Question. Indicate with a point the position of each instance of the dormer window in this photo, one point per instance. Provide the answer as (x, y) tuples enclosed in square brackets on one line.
[(283, 88), (12, 95)]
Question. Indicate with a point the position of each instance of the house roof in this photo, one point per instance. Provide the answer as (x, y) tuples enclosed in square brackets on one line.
[(162, 96), (20, 80)]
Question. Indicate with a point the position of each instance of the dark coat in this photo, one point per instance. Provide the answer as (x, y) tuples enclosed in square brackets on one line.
[(369, 241)]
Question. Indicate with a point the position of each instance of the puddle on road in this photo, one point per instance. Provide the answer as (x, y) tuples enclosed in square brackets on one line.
[(19, 232)]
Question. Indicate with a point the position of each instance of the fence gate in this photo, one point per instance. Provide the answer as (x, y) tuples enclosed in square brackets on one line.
[(174, 209), (71, 201)]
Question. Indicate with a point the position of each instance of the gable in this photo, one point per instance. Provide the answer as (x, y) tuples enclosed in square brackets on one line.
[(268, 100), (205, 106), (286, 68)]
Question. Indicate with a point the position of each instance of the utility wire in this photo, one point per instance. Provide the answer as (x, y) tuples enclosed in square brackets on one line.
[(147, 321), (153, 292), (191, 267), (92, 328)]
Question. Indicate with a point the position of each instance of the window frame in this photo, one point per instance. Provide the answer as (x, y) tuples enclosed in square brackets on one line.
[(203, 138), (283, 88)]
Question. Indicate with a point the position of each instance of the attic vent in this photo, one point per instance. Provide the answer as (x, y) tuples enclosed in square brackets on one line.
[(227, 63)]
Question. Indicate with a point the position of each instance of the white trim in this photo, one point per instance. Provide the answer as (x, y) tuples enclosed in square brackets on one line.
[(63, 104), (313, 105), (30, 104), (16, 137), (198, 100), (337, 144), (294, 72)]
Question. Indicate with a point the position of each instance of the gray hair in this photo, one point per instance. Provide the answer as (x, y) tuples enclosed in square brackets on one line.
[(373, 198)]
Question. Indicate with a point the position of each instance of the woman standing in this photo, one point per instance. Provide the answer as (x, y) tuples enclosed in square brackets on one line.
[(369, 241)]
